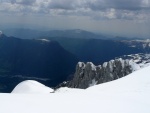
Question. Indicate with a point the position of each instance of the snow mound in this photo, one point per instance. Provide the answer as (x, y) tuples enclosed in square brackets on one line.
[(31, 86)]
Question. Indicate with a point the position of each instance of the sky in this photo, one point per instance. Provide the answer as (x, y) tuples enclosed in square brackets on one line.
[(117, 17)]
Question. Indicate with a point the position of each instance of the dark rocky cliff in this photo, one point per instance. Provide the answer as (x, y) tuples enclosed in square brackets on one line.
[(88, 74)]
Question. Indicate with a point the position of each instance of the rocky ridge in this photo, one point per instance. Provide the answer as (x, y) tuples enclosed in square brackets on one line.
[(88, 74)]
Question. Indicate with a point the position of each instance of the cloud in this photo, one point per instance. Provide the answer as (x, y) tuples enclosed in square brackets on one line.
[(92, 4), (118, 4), (96, 9), (23, 2), (63, 4)]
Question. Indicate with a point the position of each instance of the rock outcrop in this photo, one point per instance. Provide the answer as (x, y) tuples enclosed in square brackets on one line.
[(88, 74)]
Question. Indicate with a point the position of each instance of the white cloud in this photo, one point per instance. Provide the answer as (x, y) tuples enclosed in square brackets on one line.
[(110, 9)]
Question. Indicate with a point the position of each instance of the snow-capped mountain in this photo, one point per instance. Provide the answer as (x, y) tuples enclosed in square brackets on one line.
[(129, 94), (145, 44), (141, 59)]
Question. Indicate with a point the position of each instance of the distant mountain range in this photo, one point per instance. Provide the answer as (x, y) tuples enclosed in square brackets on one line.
[(34, 34), (43, 60), (51, 57), (26, 33), (99, 50)]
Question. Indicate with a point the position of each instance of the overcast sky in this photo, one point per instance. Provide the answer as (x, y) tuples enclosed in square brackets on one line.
[(118, 17)]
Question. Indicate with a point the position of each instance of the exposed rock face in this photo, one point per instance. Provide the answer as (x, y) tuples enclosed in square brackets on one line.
[(87, 75)]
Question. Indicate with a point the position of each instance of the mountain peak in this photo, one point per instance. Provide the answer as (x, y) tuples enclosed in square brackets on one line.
[(78, 30), (1, 33)]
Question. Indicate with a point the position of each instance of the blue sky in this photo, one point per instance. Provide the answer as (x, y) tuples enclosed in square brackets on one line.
[(117, 17)]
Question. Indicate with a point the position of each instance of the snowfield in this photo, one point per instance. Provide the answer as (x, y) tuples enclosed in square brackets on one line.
[(130, 94)]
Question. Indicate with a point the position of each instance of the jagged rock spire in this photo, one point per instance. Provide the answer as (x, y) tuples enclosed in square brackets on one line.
[(88, 74)]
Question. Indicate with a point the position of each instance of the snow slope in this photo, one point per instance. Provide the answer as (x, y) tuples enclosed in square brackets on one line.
[(130, 94), (31, 86)]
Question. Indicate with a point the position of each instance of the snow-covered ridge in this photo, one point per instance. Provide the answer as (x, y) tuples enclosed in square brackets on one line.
[(44, 40), (136, 82), (141, 59), (146, 40), (145, 44), (129, 94), (31, 87)]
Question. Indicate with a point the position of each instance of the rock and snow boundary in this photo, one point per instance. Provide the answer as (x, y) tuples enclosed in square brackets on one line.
[(129, 94), (87, 74)]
